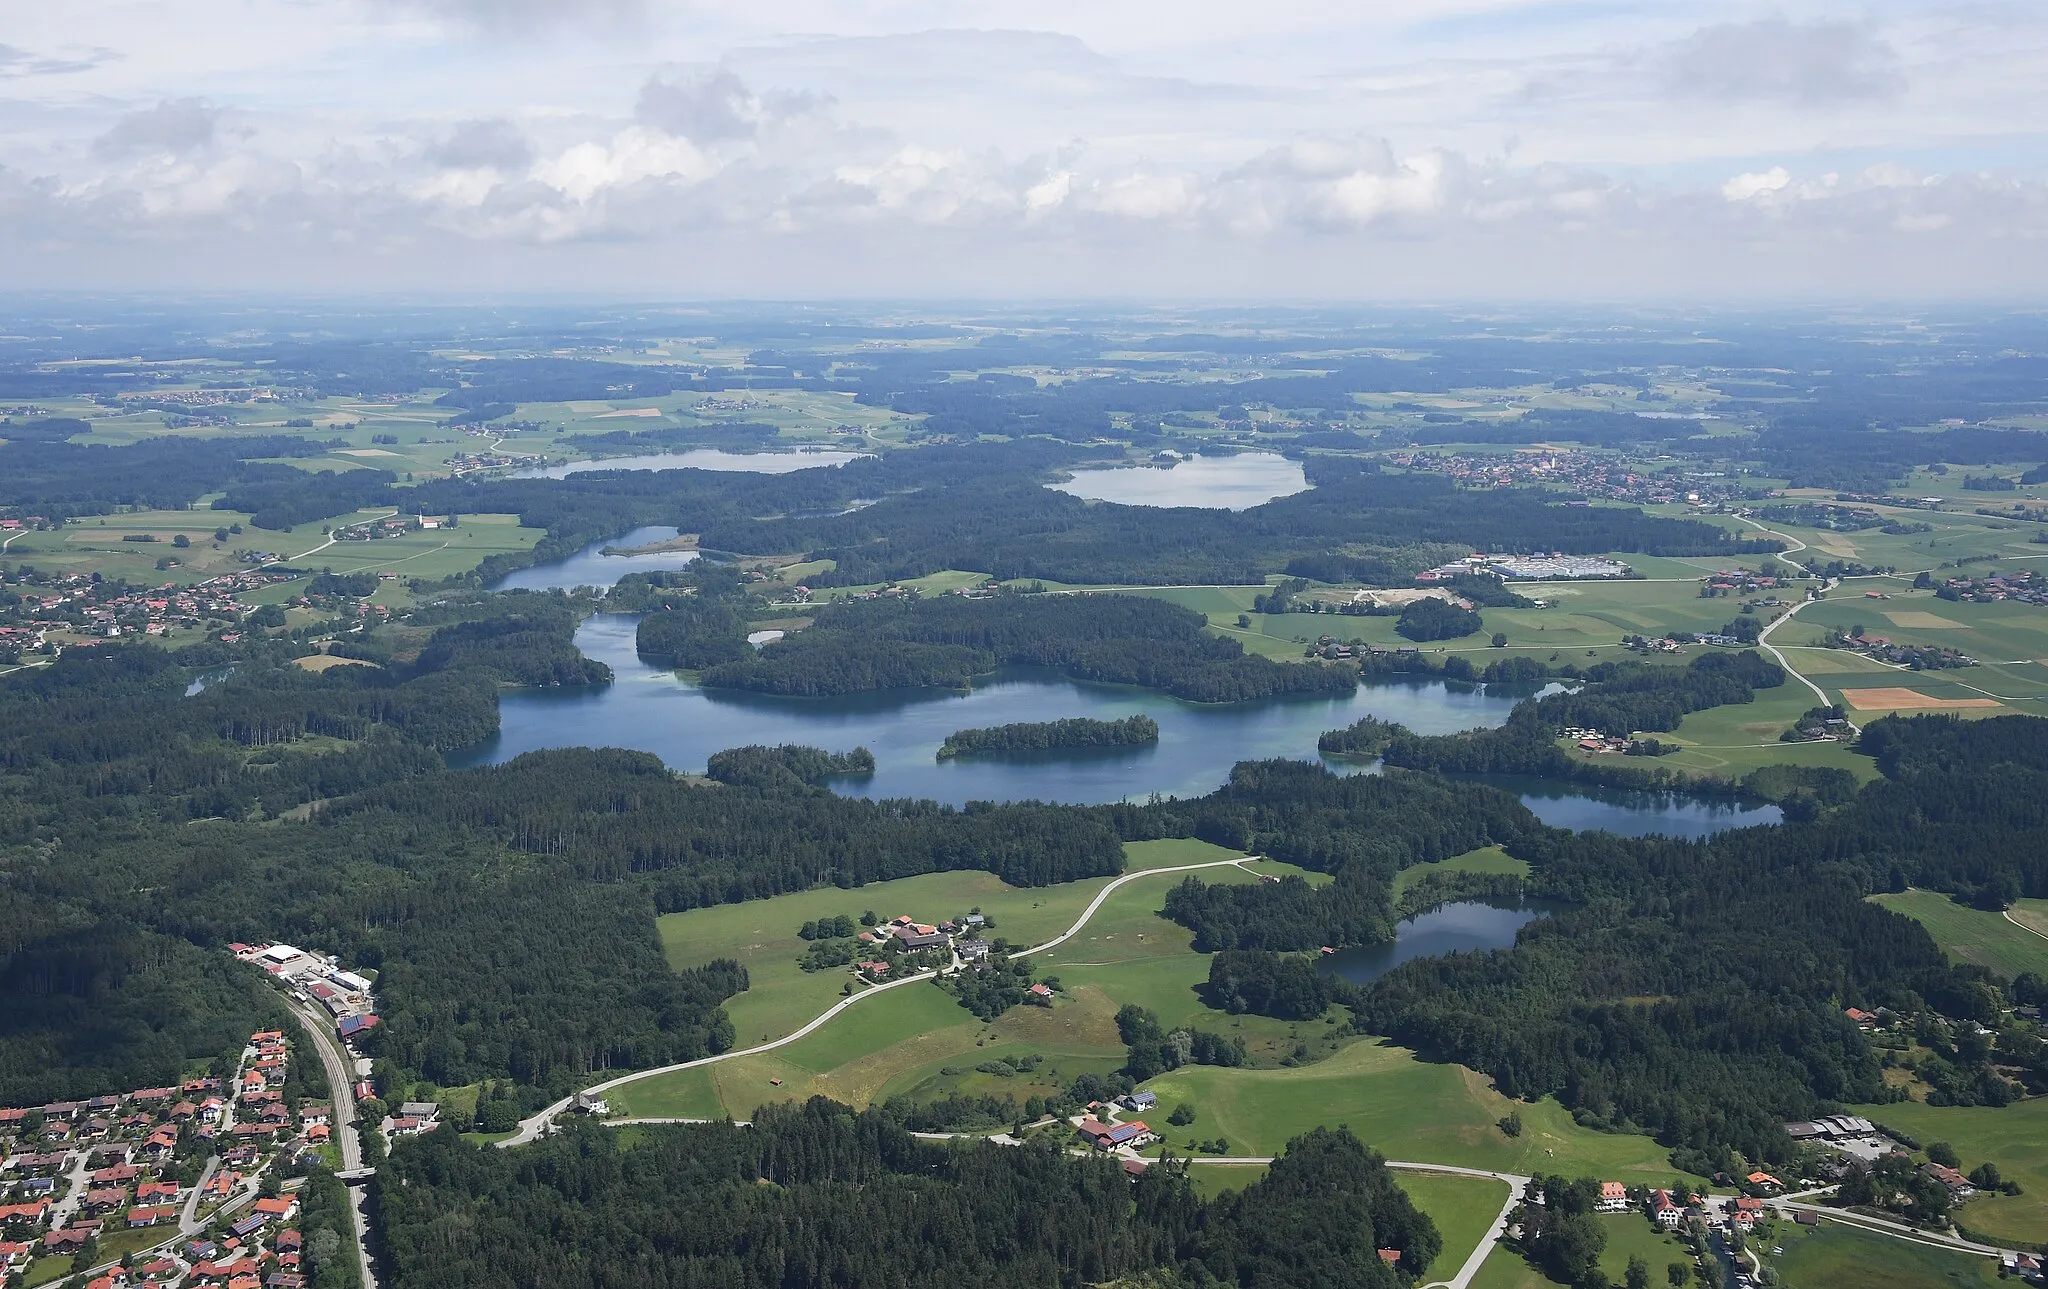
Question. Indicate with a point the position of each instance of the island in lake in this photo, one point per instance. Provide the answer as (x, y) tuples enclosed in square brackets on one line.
[(1040, 736)]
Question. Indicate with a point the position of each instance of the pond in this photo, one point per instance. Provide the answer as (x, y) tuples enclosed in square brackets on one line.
[(1209, 483), (1631, 812), (1462, 927), (592, 567), (781, 462), (653, 710)]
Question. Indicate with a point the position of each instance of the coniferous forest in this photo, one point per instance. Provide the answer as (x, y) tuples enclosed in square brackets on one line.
[(819, 1194)]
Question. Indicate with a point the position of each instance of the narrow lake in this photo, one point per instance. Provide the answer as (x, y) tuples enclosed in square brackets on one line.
[(1210, 483), (702, 459), (592, 567), (652, 710), (1464, 927)]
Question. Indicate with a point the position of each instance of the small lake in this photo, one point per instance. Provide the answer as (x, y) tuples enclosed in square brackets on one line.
[(592, 567), (703, 459), (1466, 926), (1631, 812), (1209, 483)]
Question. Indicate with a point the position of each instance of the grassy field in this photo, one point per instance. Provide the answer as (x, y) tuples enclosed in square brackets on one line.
[(94, 545), (1404, 1108), (1974, 935), (1463, 1209), (1628, 1235), (914, 1038), (1835, 1256), (1487, 859), (431, 554), (2014, 1137), (762, 935)]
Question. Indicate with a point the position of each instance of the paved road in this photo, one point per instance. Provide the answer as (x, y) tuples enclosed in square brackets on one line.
[(532, 1128), (1763, 642), (340, 1077)]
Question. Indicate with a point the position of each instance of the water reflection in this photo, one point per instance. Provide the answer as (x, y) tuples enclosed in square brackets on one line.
[(1464, 927), (683, 724), (702, 459), (1209, 483), (592, 567)]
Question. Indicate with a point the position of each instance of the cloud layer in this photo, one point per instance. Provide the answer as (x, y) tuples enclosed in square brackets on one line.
[(528, 145)]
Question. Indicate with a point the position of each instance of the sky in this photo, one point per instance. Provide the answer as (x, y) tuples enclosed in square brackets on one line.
[(1367, 150)]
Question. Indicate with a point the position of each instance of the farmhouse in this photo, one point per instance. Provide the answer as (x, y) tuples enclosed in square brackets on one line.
[(1109, 1136)]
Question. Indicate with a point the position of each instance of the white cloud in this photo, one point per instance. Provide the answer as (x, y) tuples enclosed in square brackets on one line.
[(633, 155), (1478, 136), (1751, 186)]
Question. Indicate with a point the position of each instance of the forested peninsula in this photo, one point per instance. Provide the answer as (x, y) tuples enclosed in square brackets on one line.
[(1040, 736), (948, 641)]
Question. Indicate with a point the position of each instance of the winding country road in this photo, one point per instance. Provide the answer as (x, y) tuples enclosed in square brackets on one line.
[(532, 1128)]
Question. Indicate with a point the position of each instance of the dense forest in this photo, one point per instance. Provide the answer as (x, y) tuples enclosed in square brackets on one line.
[(947, 641), (510, 909), (818, 1195), (1040, 736)]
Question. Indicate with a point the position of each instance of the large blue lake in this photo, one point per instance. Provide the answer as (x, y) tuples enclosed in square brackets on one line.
[(655, 711)]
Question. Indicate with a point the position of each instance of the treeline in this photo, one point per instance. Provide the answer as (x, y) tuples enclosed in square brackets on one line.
[(518, 638), (1288, 914), (1150, 1049), (55, 479), (1116, 639), (1286, 986), (615, 815), (820, 1195), (1029, 736), (691, 618)]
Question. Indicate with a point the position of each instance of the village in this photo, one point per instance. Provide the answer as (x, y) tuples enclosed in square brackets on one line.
[(37, 609), (187, 1184), (1606, 477)]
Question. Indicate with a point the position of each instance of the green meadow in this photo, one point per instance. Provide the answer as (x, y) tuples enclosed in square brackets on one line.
[(1487, 859), (429, 554), (1974, 935), (1406, 1109), (2014, 1137), (1835, 1254), (917, 1040), (1463, 1209)]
